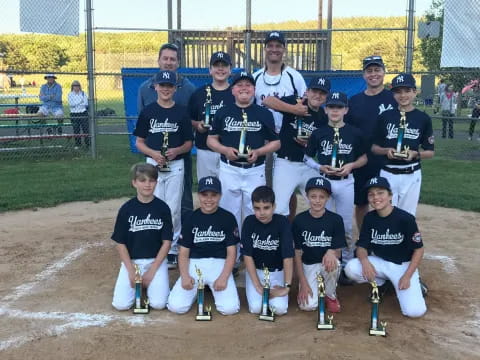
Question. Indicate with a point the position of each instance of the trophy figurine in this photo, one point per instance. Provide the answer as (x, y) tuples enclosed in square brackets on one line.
[(166, 166), (268, 312), (399, 152), (321, 324), (202, 314), (243, 150), (301, 134), (335, 150), (208, 108), (141, 301), (377, 328)]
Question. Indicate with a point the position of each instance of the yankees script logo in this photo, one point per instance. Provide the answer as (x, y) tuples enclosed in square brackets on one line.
[(267, 244), (209, 235), (137, 224), (316, 240), (327, 147), (160, 127), (214, 108), (237, 125), (387, 238), (307, 128), (392, 132)]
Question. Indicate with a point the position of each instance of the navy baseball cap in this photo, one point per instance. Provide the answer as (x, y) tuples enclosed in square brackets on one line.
[(320, 83), (275, 36), (337, 98), (373, 60), (165, 77), (404, 80), (318, 183), (379, 182), (243, 75), (220, 56), (210, 183)]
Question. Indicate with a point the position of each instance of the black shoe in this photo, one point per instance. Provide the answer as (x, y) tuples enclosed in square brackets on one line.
[(344, 280), (49, 131), (386, 288), (59, 131), (424, 288), (172, 261)]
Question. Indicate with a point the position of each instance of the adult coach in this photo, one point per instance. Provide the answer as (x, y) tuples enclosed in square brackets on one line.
[(169, 59), (364, 109)]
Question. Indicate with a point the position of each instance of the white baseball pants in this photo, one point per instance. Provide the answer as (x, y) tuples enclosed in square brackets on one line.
[(254, 299), (405, 189), (208, 163)]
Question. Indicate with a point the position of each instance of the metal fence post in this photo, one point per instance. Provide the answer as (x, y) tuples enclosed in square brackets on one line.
[(91, 81), (248, 37), (410, 31)]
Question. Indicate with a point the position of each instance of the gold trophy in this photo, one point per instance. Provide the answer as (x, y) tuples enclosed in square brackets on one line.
[(301, 133), (141, 301), (268, 312), (166, 166), (202, 314), (321, 324), (243, 150), (208, 108), (335, 150), (399, 152), (375, 329)]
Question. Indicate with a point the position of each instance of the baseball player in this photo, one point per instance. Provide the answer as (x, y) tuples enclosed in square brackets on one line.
[(267, 242), (346, 142), (169, 59), (290, 172), (391, 236), (363, 112), (209, 243), (319, 236), (208, 99), (404, 173), (159, 119), (242, 126), (143, 233)]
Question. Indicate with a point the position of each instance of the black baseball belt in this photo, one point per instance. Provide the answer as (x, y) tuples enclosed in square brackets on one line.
[(403, 170)]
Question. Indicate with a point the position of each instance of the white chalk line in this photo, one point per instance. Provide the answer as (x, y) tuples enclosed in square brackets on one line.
[(448, 262), (48, 273)]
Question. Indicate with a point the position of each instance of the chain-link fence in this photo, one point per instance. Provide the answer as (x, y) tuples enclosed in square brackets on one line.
[(122, 55)]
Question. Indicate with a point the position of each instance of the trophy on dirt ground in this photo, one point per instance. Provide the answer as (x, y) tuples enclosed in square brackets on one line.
[(335, 163), (243, 150), (401, 151), (208, 108), (204, 313), (268, 312), (141, 301), (166, 166), (377, 327), (301, 134), (322, 324)]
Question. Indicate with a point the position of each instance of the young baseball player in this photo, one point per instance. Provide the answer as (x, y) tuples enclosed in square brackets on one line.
[(319, 236), (391, 236), (240, 176), (209, 243), (267, 242), (155, 121), (404, 174), (143, 233), (210, 97), (290, 172), (350, 154)]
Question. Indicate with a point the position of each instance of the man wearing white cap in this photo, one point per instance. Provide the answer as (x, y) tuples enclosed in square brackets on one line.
[(51, 98)]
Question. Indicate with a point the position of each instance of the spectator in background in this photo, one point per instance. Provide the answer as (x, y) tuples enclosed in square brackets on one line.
[(51, 98), (78, 102), (441, 87), (448, 101), (473, 122)]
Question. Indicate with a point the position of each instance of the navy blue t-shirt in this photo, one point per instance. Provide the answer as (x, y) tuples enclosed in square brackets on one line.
[(196, 109), (154, 120), (143, 227), (268, 244), (290, 148), (228, 123), (209, 235), (317, 235), (419, 132), (392, 238), (350, 148)]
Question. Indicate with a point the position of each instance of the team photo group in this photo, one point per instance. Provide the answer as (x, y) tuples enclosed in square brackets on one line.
[(260, 138)]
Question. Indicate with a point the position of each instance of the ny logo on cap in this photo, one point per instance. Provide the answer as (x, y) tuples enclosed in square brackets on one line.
[(220, 55), (400, 79), (166, 75), (243, 73), (321, 81), (209, 181), (319, 182), (335, 95), (373, 181), (274, 34)]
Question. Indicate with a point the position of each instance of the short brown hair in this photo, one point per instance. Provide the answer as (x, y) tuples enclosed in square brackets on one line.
[(143, 170)]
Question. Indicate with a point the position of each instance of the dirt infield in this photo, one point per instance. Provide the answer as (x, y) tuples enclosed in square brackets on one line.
[(58, 268)]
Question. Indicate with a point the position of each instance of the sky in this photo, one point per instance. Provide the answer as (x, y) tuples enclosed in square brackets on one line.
[(215, 14)]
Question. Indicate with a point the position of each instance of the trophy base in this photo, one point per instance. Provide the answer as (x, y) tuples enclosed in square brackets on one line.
[(204, 317), (269, 317), (164, 168), (141, 310), (243, 156), (400, 155), (378, 332), (303, 137), (325, 327), (206, 126)]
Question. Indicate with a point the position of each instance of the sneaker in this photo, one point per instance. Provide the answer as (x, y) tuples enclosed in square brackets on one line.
[(424, 288), (333, 305), (344, 280), (172, 261)]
